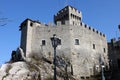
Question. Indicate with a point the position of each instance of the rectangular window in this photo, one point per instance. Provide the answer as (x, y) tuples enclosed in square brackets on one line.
[(43, 42), (104, 50), (93, 46), (76, 41)]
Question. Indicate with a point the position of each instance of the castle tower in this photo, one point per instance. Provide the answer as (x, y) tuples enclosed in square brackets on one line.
[(69, 14), (26, 36)]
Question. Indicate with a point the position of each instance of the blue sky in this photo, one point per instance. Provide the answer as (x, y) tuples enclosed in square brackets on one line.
[(103, 15)]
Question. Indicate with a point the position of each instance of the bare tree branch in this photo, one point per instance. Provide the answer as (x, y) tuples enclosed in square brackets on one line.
[(4, 21), (3, 24)]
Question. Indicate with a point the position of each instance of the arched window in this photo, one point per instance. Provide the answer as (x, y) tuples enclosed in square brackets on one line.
[(77, 42)]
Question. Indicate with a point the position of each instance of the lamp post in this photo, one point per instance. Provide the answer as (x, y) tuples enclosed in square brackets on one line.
[(102, 72), (55, 43)]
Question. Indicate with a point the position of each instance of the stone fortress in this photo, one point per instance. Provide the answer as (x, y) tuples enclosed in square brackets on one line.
[(85, 47)]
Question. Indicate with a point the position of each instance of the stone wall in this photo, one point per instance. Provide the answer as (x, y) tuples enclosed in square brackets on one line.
[(83, 56)]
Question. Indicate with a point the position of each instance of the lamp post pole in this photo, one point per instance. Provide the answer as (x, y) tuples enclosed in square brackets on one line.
[(102, 72), (55, 63), (55, 42)]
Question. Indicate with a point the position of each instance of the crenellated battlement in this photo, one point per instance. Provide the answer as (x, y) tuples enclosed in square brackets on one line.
[(59, 23), (68, 13), (66, 9), (92, 29)]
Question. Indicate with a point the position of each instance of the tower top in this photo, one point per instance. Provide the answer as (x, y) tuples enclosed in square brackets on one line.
[(70, 14)]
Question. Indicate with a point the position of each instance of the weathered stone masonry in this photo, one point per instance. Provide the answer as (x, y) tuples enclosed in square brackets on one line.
[(83, 45)]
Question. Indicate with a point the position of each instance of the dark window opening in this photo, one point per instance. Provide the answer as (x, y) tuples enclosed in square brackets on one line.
[(43, 42), (87, 77), (104, 50), (80, 18), (118, 61), (93, 46), (82, 77), (31, 24), (76, 41), (71, 15), (81, 23), (117, 47)]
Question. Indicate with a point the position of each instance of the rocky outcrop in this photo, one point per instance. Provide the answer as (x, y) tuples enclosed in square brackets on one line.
[(35, 68), (18, 71), (22, 68)]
